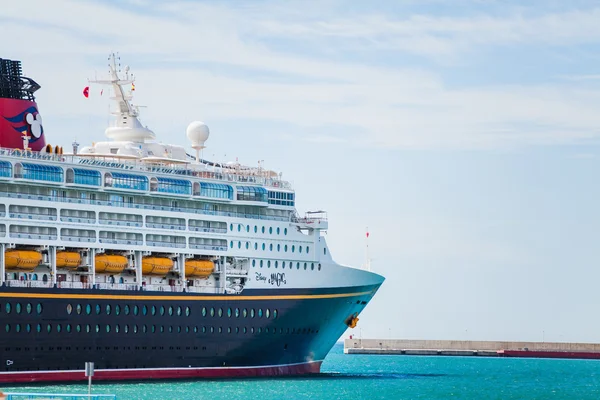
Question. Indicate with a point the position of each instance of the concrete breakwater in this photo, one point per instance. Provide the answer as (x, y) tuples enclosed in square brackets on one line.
[(459, 347)]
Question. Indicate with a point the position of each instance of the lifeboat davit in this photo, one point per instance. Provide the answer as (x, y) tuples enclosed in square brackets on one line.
[(22, 259), (68, 259), (156, 265), (199, 268), (111, 263)]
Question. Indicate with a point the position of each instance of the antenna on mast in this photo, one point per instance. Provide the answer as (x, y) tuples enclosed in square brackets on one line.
[(368, 263)]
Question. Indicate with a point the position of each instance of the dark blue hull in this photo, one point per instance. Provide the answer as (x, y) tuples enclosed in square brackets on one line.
[(61, 329)]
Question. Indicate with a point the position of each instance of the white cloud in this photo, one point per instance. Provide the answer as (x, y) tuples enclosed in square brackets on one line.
[(389, 106)]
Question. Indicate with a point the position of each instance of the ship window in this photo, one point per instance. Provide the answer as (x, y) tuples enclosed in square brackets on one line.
[(231, 227), (107, 328), (117, 309), (58, 328), (153, 310), (39, 172), (269, 264), (188, 311), (212, 329), (271, 247), (252, 313), (237, 312), (285, 231), (108, 309), (239, 245), (244, 313), (18, 308), (247, 228), (319, 266), (88, 309), (245, 330), (126, 328), (312, 266), (264, 246), (7, 328), (39, 308), (299, 249), (274, 313), (162, 310), (255, 246), (239, 227), (98, 309), (153, 329), (178, 310), (270, 230), (49, 328), (278, 230), (278, 247), (276, 264), (247, 245), (85, 177), (68, 328), (97, 328), (129, 181), (252, 193), (212, 312), (261, 263), (305, 265), (260, 313), (293, 248), (220, 313), (255, 229), (216, 190), (170, 310), (144, 310), (283, 264), (237, 329), (254, 263), (231, 244), (28, 328), (297, 265), (267, 313), (5, 169), (229, 312), (29, 308), (135, 329), (204, 311), (203, 329), (136, 310), (307, 249), (229, 329), (126, 309), (285, 248), (117, 328), (77, 328), (220, 329), (177, 186)]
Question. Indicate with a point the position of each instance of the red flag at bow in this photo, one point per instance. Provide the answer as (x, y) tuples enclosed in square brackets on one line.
[(86, 91)]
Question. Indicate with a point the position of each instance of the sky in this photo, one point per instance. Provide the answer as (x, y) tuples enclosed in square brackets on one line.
[(463, 133)]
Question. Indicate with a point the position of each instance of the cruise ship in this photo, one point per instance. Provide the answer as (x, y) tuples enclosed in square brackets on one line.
[(151, 261)]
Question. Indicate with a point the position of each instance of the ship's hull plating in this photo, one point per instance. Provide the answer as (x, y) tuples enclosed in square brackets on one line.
[(49, 334)]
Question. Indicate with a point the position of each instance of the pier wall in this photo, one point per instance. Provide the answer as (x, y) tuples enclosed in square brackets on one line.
[(398, 346)]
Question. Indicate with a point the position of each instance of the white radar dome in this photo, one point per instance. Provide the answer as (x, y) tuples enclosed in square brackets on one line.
[(197, 132)]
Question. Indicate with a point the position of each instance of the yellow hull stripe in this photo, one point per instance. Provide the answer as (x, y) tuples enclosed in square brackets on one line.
[(173, 298)]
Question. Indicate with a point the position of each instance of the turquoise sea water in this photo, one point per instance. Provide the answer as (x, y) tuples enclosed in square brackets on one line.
[(382, 377)]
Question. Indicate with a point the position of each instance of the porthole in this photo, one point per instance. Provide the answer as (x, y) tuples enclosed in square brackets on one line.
[(325, 251), (126, 309), (255, 229), (285, 248), (283, 264), (117, 309), (187, 329), (98, 309), (179, 329), (255, 245), (237, 312), (162, 310), (260, 313), (271, 247), (278, 247), (278, 230), (126, 328), (261, 263), (264, 246), (212, 329), (266, 330), (77, 328), (107, 328), (18, 308), (220, 329), (239, 245), (312, 266), (203, 329), (293, 248), (247, 228), (212, 312), (97, 328), (299, 249), (267, 313), (28, 328), (276, 264), (18, 328), (228, 329), (220, 312), (136, 310), (67, 328), (7, 307), (247, 245), (305, 265), (254, 263), (245, 330), (29, 308), (269, 264), (263, 229), (49, 328), (195, 329), (7, 328), (259, 330), (178, 310), (270, 230), (229, 312), (170, 310), (285, 231), (237, 329), (162, 329), (231, 227), (274, 313), (244, 313), (144, 310), (239, 228), (58, 328), (297, 265), (88, 309), (187, 311), (153, 329), (108, 309), (69, 309), (135, 328), (307, 249), (319, 266), (204, 311), (231, 244), (153, 310), (144, 328), (39, 308), (117, 328), (252, 313)]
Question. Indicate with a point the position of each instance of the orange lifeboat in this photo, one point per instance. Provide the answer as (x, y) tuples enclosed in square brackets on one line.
[(68, 259), (199, 268), (156, 265), (111, 263), (22, 259)]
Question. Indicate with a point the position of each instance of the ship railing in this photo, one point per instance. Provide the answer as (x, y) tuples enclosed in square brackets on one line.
[(28, 284), (54, 396), (74, 200), (257, 176)]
